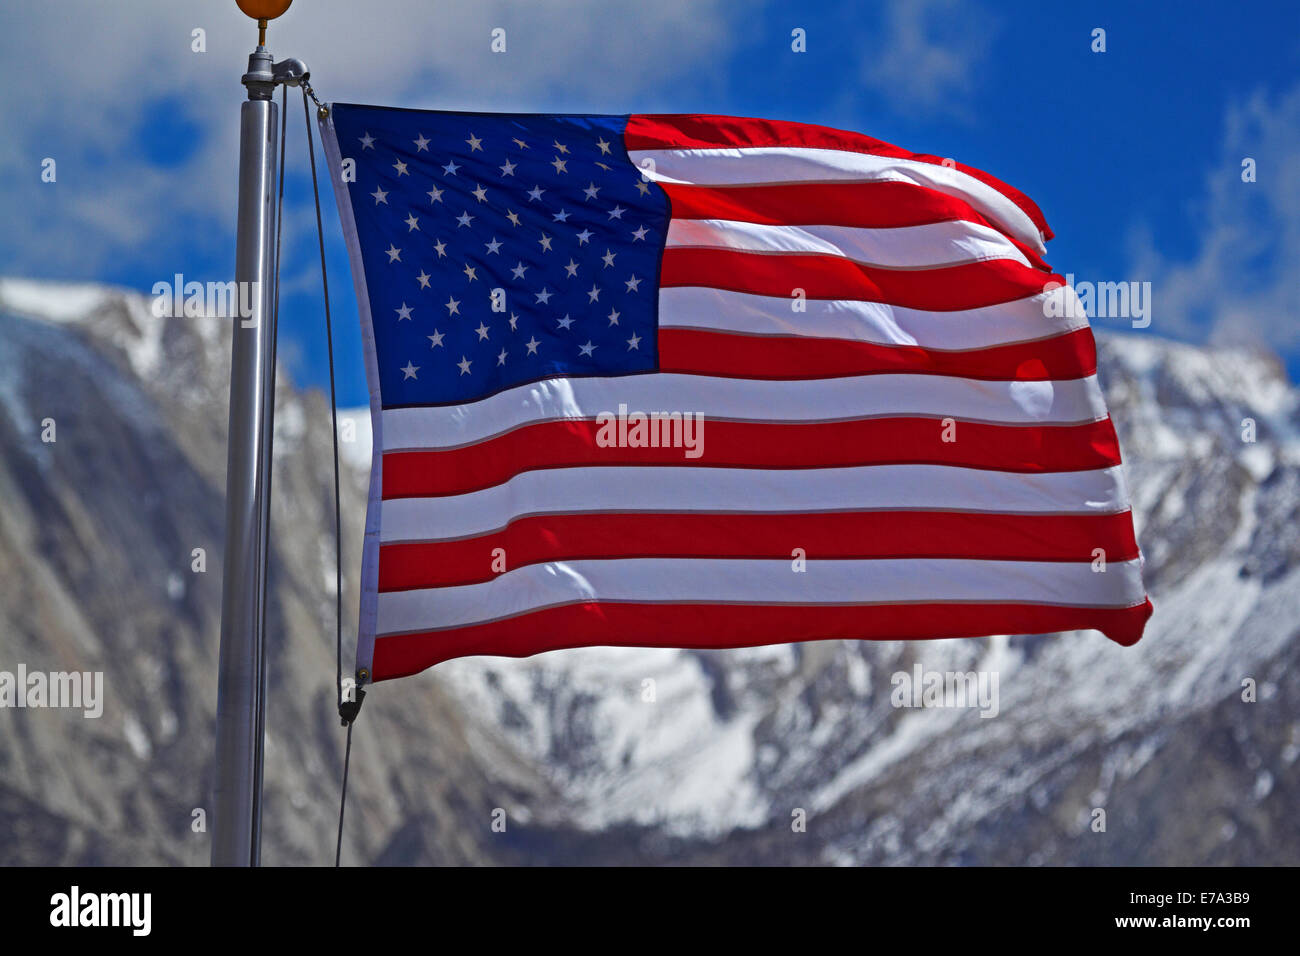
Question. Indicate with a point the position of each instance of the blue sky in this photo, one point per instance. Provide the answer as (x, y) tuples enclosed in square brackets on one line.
[(1133, 154)]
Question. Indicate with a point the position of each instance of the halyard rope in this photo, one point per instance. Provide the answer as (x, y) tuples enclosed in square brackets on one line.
[(347, 713)]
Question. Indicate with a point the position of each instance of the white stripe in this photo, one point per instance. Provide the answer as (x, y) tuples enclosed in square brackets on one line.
[(632, 488), (762, 581), (1024, 320), (753, 165), (1071, 401), (932, 246)]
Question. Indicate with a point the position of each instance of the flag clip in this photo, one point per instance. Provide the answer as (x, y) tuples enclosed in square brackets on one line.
[(322, 111), (348, 709)]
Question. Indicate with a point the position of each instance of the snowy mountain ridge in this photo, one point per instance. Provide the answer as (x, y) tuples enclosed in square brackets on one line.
[(591, 761)]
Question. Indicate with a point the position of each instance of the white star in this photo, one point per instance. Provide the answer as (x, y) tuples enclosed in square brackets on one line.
[(471, 273), (519, 270), (508, 169), (501, 359), (514, 322), (634, 342), (587, 349), (591, 190), (401, 168), (482, 331), (594, 294), (609, 258), (617, 212), (380, 196), (464, 219), (404, 312), (559, 148), (561, 216), (571, 268), (493, 247), (480, 194), (513, 217), (394, 253), (440, 247), (367, 141), (519, 142), (604, 146), (544, 297), (545, 243), (561, 166), (421, 144), (475, 144), (435, 194), (565, 322), (411, 222), (613, 316), (464, 365), (535, 193), (532, 344), (633, 284), (643, 187), (453, 306), (639, 234), (423, 279), (450, 168), (584, 236), (436, 338), (603, 166), (409, 371)]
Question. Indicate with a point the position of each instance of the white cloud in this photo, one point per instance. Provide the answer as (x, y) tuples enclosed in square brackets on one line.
[(929, 53), (82, 78), (1240, 286)]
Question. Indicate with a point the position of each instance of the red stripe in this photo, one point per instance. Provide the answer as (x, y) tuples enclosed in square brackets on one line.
[(953, 288), (882, 441), (883, 205), (705, 352), (692, 131), (714, 626), (865, 534)]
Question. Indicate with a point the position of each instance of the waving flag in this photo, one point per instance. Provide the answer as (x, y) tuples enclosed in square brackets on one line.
[(702, 381)]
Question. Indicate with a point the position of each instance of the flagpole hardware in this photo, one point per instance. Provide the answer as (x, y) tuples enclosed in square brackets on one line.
[(348, 709), (322, 111), (241, 660), (262, 11), (264, 76), (290, 72)]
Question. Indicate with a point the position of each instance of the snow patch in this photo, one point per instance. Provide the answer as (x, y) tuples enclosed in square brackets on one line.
[(61, 302)]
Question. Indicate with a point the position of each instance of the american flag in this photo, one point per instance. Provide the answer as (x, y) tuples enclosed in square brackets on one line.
[(705, 381)]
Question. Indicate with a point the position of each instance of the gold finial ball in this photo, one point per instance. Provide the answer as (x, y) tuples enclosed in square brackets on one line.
[(263, 9)]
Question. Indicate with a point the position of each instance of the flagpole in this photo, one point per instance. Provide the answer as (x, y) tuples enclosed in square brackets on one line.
[(241, 681)]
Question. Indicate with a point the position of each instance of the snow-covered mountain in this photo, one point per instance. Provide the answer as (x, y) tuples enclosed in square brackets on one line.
[(624, 755)]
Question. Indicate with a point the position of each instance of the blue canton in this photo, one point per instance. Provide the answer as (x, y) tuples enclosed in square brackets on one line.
[(501, 249)]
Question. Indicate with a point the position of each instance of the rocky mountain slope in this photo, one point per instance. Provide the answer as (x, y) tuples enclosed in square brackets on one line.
[(730, 751)]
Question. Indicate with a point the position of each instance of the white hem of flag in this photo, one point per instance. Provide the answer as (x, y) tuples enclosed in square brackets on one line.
[(369, 612)]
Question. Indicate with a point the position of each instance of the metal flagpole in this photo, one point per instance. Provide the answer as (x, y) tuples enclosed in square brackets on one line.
[(241, 683)]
